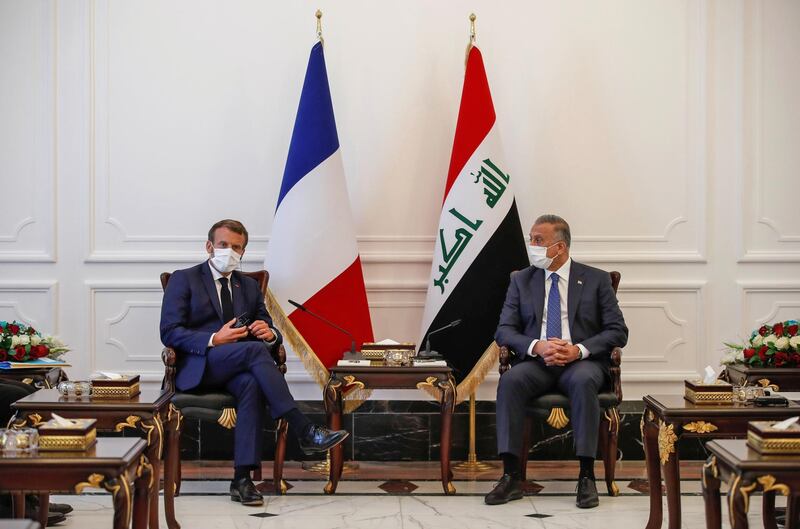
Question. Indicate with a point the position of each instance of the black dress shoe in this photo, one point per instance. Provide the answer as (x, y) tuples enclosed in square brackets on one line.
[(587, 494), (320, 439), (243, 491), (32, 503), (63, 508), (507, 489), (54, 518)]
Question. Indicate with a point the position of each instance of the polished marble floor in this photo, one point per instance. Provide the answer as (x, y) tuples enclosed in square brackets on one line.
[(365, 503)]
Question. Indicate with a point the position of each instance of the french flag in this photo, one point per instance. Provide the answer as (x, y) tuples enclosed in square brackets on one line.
[(312, 256)]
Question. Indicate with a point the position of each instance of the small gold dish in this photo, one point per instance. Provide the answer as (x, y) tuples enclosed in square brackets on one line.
[(398, 357), (78, 437)]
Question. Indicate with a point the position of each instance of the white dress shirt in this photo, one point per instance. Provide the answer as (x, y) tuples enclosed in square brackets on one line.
[(563, 288)]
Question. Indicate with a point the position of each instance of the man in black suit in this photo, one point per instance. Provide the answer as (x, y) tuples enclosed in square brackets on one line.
[(561, 321), (199, 320)]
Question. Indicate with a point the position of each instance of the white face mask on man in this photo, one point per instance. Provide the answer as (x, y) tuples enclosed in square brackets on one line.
[(537, 255), (225, 260)]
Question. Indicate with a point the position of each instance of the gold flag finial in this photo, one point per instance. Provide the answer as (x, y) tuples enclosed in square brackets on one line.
[(318, 14), (472, 18)]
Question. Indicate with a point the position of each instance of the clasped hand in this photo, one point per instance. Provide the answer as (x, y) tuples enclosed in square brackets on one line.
[(556, 352), (228, 334)]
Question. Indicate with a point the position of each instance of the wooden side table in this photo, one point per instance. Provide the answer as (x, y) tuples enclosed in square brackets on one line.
[(666, 419), (384, 377), (746, 471), (151, 412), (116, 465)]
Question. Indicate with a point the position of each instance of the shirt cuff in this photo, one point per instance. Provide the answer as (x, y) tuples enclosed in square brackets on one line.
[(584, 351), (274, 337), (211, 340), (530, 348)]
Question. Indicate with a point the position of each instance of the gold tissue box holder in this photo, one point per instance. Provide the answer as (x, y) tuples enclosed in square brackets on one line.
[(375, 351), (77, 438), (764, 439), (697, 392), (122, 388)]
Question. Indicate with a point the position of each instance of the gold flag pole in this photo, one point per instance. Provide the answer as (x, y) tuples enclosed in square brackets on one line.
[(472, 464), (324, 467)]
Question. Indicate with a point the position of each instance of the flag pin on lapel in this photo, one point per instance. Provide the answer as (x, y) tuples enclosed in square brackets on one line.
[(580, 282)]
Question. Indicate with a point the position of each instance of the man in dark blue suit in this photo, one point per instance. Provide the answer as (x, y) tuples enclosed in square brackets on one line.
[(199, 320), (561, 320)]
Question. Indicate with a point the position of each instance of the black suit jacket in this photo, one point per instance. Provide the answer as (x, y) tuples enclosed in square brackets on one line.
[(595, 319)]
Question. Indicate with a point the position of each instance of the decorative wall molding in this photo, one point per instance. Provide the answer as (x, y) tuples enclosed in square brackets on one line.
[(102, 331), (48, 288), (775, 292), (692, 331)]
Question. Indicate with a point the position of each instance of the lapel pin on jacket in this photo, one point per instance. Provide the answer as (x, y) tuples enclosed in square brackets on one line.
[(580, 282)]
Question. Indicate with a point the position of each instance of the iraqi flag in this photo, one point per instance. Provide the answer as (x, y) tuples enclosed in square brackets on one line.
[(312, 256), (479, 241)]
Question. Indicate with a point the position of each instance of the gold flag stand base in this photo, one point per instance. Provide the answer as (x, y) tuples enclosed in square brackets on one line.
[(472, 464), (324, 467)]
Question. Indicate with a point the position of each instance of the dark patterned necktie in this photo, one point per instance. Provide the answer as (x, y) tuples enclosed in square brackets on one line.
[(554, 309), (227, 301)]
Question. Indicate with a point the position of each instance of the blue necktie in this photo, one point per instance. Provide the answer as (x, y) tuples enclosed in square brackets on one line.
[(554, 309)]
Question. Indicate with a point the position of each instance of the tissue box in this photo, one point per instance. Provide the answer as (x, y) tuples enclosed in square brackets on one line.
[(764, 439), (375, 351), (123, 388), (697, 392), (79, 437)]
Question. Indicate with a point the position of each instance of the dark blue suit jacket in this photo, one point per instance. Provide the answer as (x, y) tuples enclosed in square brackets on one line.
[(191, 313), (595, 319)]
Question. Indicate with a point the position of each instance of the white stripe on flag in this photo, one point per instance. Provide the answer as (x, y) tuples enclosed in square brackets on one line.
[(467, 197), (313, 237)]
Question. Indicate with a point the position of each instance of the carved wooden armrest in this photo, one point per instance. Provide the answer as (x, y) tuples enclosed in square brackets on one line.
[(279, 355), (505, 359), (616, 372), (168, 357)]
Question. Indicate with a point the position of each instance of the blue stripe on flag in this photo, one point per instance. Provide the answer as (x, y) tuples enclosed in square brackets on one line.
[(314, 136)]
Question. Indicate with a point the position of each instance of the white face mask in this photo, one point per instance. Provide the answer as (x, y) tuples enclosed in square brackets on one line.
[(225, 260), (538, 256)]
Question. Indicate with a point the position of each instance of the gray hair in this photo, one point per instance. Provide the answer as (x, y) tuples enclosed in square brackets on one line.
[(561, 227)]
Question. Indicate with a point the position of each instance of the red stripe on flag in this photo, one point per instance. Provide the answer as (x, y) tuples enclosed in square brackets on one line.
[(475, 116), (344, 302)]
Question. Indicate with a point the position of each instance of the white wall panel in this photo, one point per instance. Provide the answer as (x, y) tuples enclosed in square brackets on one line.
[(768, 302), (31, 302), (772, 131), (123, 336), (666, 331), (27, 130)]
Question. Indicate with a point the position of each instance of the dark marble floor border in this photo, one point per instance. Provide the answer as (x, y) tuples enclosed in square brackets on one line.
[(383, 430)]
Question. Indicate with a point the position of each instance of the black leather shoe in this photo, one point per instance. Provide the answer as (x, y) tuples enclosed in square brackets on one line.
[(63, 508), (243, 491), (54, 518), (507, 489), (587, 494), (320, 439)]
